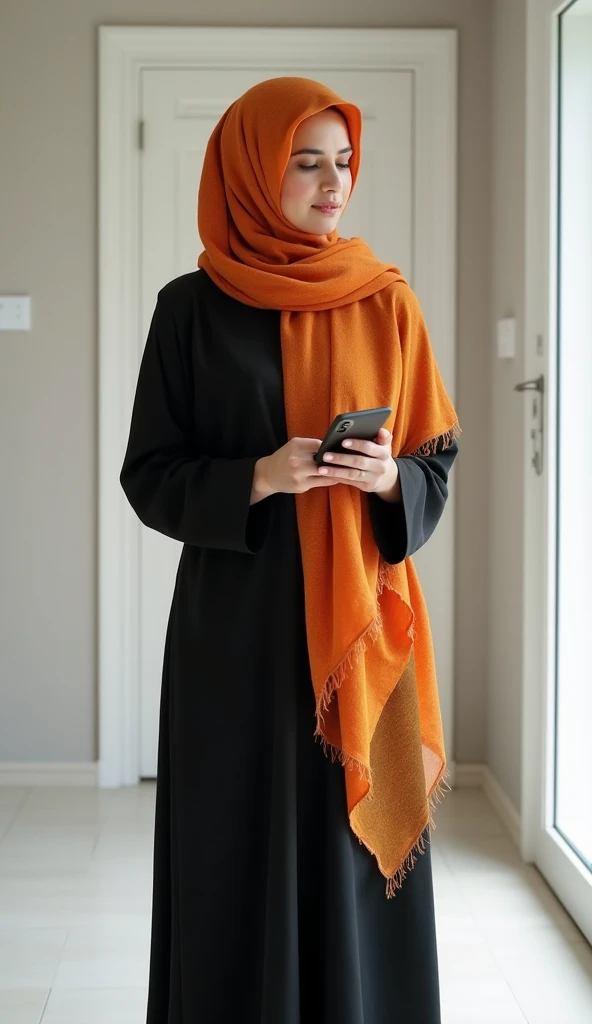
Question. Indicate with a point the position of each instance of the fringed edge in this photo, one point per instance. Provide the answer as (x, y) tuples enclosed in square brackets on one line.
[(440, 443), (395, 881), (384, 580), (332, 684), (349, 762), (439, 790), (335, 679), (337, 676)]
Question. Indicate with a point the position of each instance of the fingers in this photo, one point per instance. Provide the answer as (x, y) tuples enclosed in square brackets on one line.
[(347, 475), (361, 470), (363, 467), (307, 444), (371, 449), (350, 461), (322, 481)]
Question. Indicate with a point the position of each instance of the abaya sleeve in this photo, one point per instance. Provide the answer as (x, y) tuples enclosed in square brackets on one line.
[(172, 486), (401, 529)]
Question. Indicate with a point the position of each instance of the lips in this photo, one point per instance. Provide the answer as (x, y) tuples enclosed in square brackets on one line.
[(327, 207)]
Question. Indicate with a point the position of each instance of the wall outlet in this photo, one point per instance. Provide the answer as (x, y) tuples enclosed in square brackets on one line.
[(15, 313)]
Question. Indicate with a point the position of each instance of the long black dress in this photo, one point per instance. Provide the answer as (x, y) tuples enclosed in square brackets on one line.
[(266, 908)]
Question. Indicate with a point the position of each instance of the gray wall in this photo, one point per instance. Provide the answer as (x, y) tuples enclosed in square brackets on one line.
[(48, 378), (506, 486)]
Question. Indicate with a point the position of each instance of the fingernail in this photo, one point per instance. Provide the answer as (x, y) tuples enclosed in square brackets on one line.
[(347, 444), (323, 470), (329, 458)]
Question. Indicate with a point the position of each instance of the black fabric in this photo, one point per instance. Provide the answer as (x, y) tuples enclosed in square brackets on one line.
[(401, 529), (266, 908)]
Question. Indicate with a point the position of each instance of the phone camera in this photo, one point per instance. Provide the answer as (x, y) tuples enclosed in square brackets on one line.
[(344, 426)]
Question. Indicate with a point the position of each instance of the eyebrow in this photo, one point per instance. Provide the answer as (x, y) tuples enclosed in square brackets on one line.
[(321, 152)]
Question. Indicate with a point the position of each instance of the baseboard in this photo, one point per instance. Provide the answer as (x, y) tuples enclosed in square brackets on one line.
[(85, 773), (480, 776), (463, 775), (23, 773)]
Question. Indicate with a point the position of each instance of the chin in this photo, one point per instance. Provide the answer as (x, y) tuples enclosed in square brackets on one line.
[(322, 225)]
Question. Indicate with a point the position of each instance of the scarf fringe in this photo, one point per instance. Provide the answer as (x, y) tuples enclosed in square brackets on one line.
[(395, 881), (440, 443), (349, 762), (337, 676), (439, 790), (333, 682)]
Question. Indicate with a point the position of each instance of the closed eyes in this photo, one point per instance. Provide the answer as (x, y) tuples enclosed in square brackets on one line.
[(316, 167)]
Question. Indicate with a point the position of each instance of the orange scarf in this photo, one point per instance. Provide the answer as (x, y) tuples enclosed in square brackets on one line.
[(352, 337)]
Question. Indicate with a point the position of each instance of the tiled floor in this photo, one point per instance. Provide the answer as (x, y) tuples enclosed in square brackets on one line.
[(75, 892)]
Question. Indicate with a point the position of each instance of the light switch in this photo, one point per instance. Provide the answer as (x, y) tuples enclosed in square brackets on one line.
[(15, 313), (506, 338)]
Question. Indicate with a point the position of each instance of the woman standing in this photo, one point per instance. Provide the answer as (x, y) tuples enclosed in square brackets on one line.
[(300, 739)]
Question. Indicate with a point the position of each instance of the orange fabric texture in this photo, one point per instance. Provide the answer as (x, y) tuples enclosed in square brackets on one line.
[(353, 337)]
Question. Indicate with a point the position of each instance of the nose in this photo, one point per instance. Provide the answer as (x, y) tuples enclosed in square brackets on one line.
[(331, 181)]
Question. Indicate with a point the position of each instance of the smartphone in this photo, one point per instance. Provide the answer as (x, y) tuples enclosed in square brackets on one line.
[(363, 425)]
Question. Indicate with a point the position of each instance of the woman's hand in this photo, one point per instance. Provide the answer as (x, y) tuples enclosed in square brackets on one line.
[(290, 470), (372, 470)]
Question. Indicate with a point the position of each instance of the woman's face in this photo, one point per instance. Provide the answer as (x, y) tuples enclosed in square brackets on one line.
[(317, 182)]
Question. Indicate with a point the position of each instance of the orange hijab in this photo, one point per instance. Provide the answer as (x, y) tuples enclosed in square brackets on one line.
[(353, 337)]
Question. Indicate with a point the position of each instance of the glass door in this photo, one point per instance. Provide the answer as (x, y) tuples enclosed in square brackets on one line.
[(572, 756), (557, 721)]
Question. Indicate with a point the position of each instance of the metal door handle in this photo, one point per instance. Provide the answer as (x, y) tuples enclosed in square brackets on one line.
[(537, 433), (532, 385)]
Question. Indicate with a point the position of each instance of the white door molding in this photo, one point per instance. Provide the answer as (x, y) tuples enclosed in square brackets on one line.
[(541, 842), (123, 54), (540, 213)]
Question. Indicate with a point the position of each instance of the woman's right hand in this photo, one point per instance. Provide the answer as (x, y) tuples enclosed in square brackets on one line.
[(290, 470)]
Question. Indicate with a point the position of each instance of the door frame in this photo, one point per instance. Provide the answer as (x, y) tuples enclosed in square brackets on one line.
[(540, 842), (124, 52)]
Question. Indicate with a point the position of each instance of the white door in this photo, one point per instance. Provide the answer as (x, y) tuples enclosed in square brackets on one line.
[(391, 209), (557, 761)]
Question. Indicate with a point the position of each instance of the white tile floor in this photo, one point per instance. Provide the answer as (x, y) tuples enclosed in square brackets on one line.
[(75, 893)]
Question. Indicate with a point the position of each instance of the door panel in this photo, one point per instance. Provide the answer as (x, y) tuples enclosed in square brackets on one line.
[(556, 804)]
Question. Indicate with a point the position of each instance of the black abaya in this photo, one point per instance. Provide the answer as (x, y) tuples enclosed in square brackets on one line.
[(266, 908)]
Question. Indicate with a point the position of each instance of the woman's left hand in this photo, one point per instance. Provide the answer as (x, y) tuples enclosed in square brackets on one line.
[(373, 469)]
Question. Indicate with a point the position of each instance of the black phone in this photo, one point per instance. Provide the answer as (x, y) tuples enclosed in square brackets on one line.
[(363, 425)]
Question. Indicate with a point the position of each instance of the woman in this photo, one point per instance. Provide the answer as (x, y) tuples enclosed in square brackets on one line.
[(300, 738)]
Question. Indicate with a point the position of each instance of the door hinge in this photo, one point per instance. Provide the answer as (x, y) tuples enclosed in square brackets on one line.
[(141, 135)]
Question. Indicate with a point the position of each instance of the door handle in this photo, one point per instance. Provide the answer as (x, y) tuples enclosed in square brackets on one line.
[(536, 432), (538, 384)]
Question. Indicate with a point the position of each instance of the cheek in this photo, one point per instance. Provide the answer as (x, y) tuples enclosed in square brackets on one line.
[(294, 188), (347, 186)]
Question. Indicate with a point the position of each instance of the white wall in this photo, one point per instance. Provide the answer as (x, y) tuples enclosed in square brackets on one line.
[(48, 378), (504, 443)]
